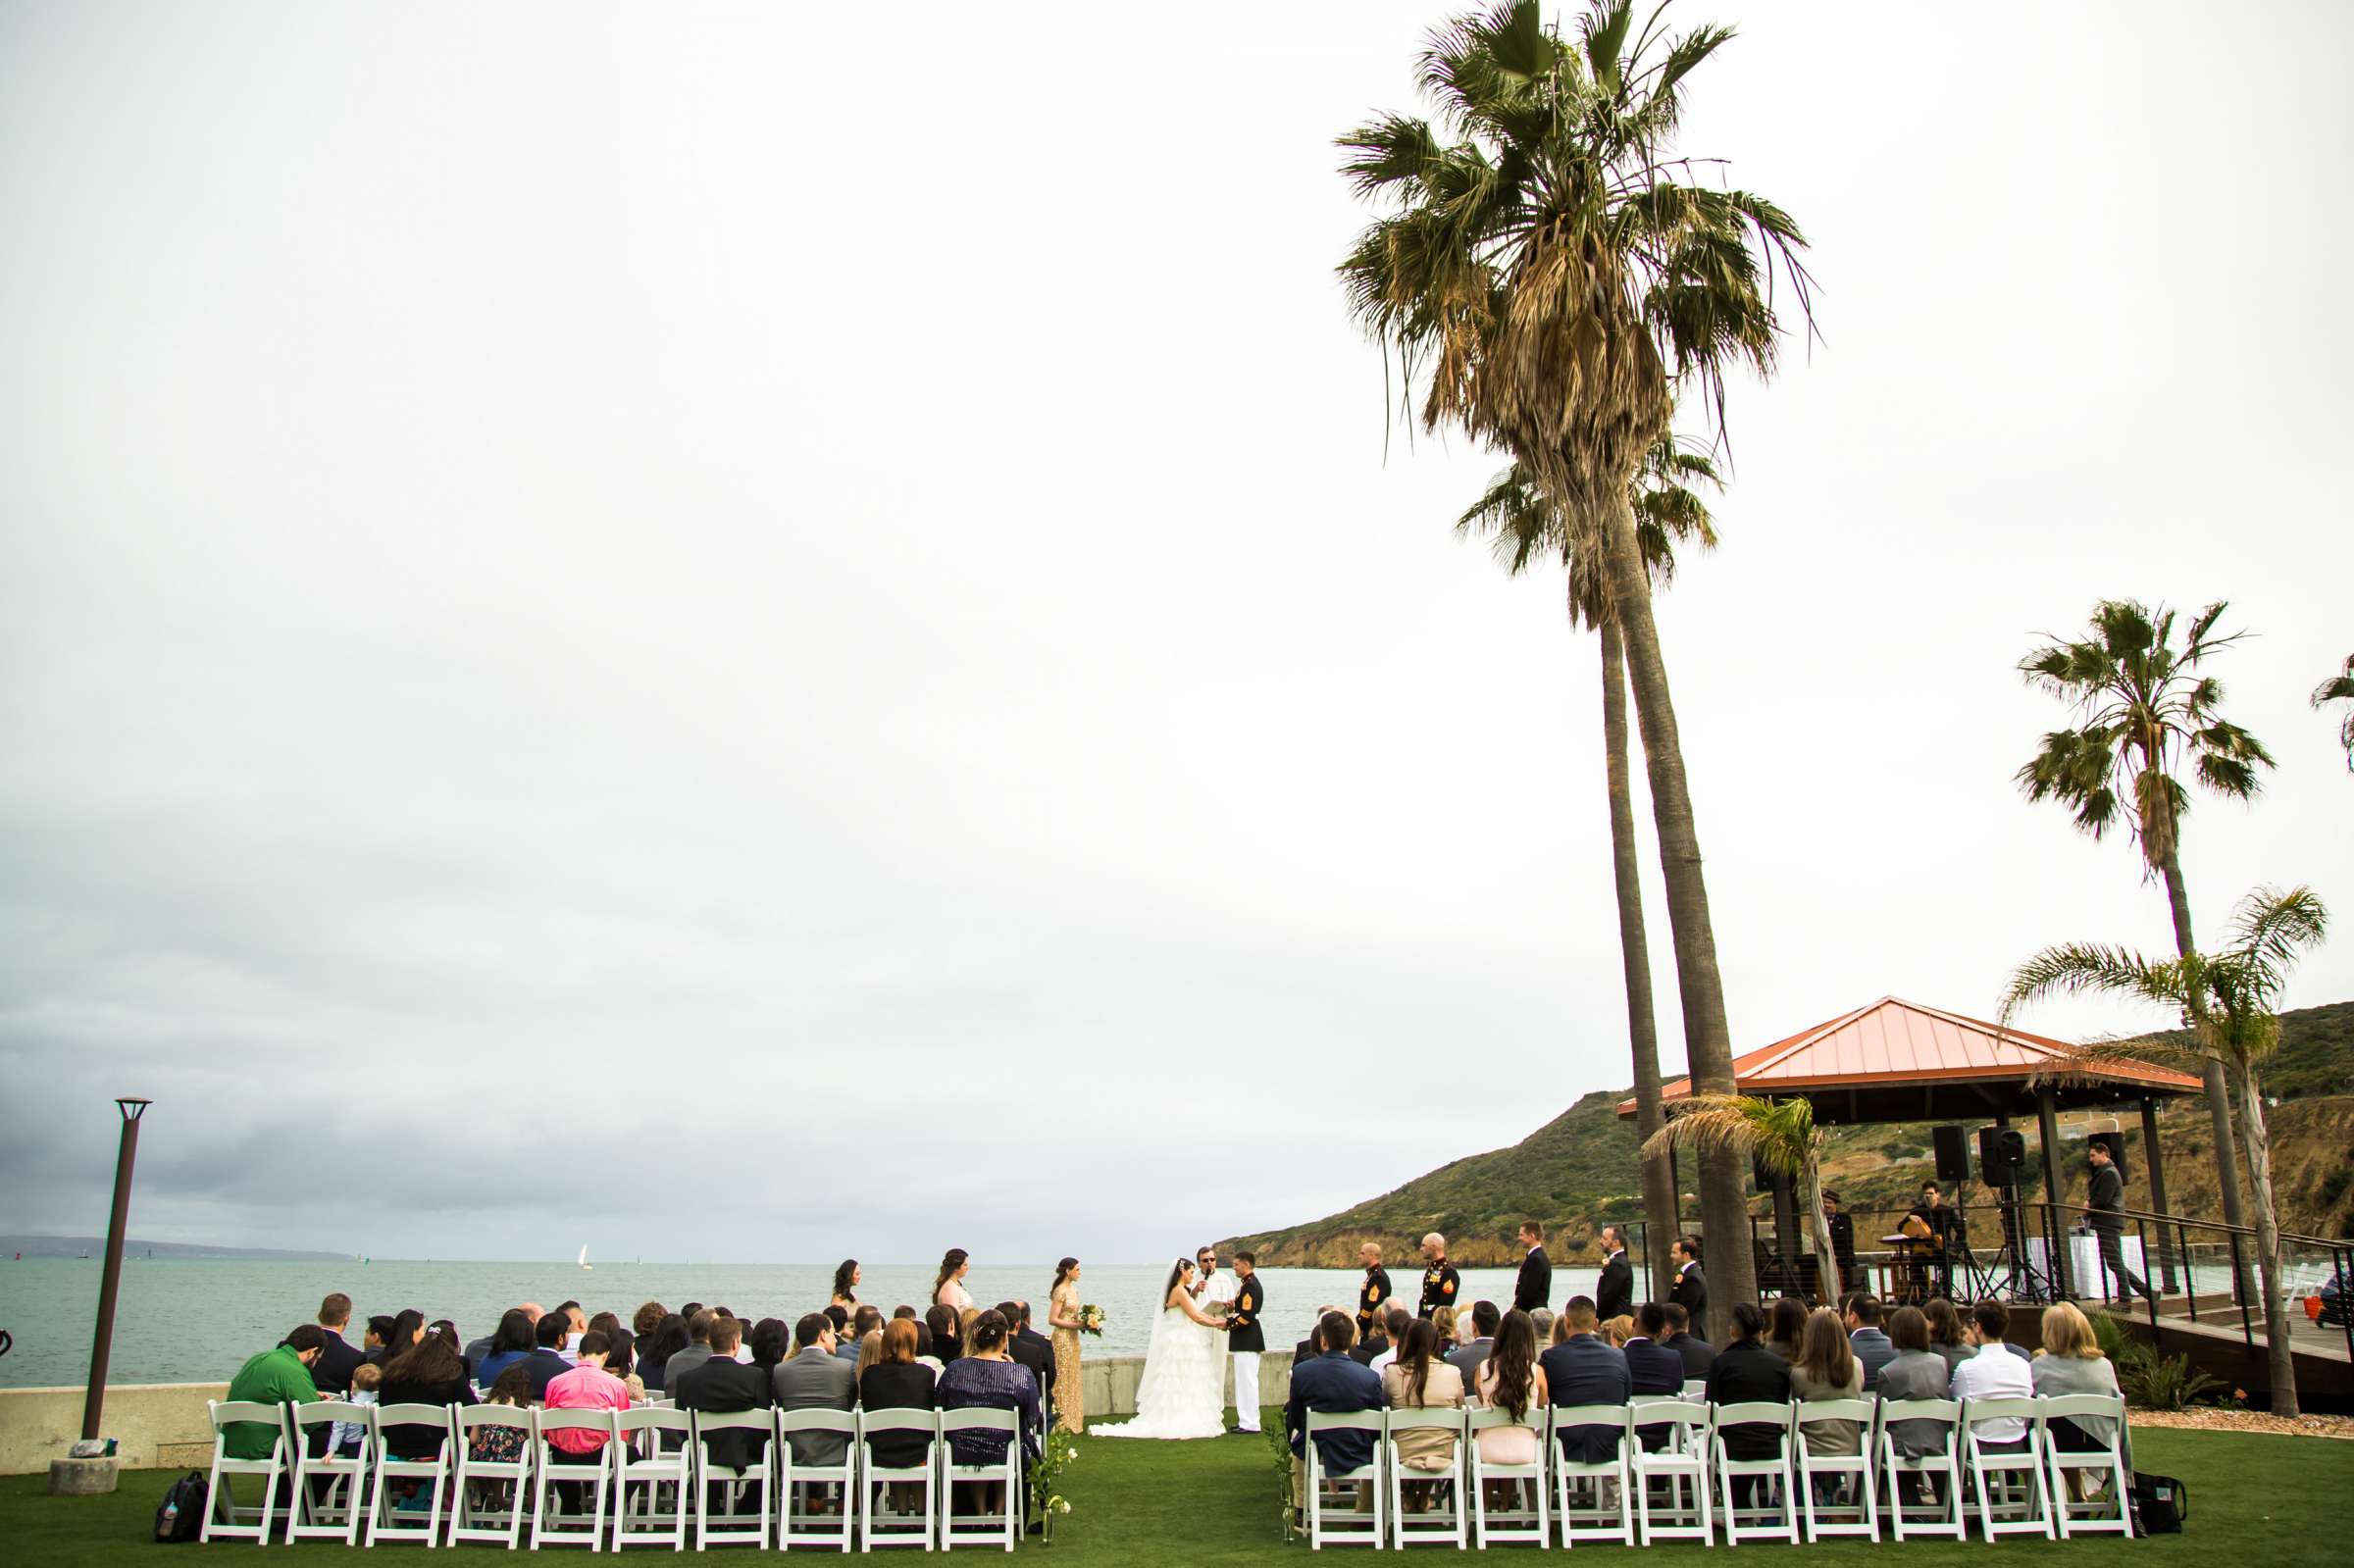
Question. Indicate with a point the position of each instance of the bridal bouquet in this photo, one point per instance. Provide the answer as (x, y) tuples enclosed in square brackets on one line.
[(1090, 1320)]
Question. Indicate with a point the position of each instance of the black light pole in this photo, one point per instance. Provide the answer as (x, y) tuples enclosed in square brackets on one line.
[(94, 1401)]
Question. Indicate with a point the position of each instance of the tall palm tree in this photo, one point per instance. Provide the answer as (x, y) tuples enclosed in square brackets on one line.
[(2340, 688), (1780, 1134), (1525, 530), (1547, 270), (2144, 711), (2232, 1001)]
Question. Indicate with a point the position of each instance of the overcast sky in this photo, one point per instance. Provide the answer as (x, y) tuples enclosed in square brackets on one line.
[(770, 631)]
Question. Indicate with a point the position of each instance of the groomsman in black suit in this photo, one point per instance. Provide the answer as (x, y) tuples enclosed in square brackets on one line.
[(1439, 1283), (1534, 1288), (1614, 1292), (1374, 1293), (1691, 1289), (1245, 1340)]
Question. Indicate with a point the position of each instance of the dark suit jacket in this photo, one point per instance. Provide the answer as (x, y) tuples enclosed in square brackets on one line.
[(1535, 1284), (2106, 1192), (723, 1386), (1248, 1333), (1697, 1354), (544, 1366), (815, 1381), (1743, 1372), (1331, 1385), (1657, 1370), (1305, 1351), (1038, 1355), (1614, 1292), (1691, 1291), (1584, 1369), (336, 1363)]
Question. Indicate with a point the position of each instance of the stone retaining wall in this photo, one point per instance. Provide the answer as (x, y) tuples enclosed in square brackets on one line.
[(163, 1425)]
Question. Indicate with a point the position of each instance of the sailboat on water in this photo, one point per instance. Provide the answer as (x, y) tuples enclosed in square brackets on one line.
[(585, 1263)]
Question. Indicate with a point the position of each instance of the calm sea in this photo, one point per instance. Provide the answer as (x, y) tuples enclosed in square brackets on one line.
[(183, 1322)]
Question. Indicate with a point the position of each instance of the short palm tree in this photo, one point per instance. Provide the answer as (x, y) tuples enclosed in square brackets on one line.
[(2232, 1001), (2340, 688), (1780, 1134), (1526, 531), (1547, 270), (2145, 712)]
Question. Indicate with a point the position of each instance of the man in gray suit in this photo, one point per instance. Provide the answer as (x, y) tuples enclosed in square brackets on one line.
[(816, 1379), (1469, 1358), (697, 1351)]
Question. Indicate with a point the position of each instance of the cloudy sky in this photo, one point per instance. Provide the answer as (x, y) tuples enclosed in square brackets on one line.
[(786, 629)]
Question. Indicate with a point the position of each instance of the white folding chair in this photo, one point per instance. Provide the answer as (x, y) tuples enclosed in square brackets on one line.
[(1440, 1524), (1941, 1466), (490, 1498), (560, 1471), (981, 1529), (880, 1525), (2110, 1510), (1353, 1528), (1696, 1389), (1855, 1471), (1519, 1524), (650, 1452), (328, 1487), (222, 1513), (797, 1526), (2009, 1484), (1771, 1515), (1678, 1473), (388, 1521), (1593, 1498), (730, 1526)]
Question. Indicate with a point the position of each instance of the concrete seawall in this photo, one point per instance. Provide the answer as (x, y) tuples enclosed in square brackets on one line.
[(163, 1425)]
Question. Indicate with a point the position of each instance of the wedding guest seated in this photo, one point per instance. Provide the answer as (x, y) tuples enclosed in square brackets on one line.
[(1445, 1319), (1618, 1330), (772, 1343), (547, 1362), (477, 1351), (655, 1353), (1785, 1326), (903, 1310), (900, 1381), (695, 1351), (870, 1354), (1511, 1381), (341, 1358), (719, 1385), (1038, 1357), (586, 1386), (510, 1343), (622, 1361), (279, 1375), (1418, 1380), (1697, 1354), (1655, 1369), (1915, 1371), (1330, 1383), (502, 1445), (1307, 1349), (1828, 1368), (1376, 1342), (1745, 1372), (816, 1379), (343, 1439), (1466, 1357), (1541, 1322), (646, 1319), (948, 1334), (1993, 1372), (1394, 1321), (1948, 1336), (987, 1378), (429, 1372), (1585, 1370), (380, 1335), (2070, 1362), (1871, 1342), (605, 1323), (966, 1317), (840, 1317), (923, 1347), (864, 1322)]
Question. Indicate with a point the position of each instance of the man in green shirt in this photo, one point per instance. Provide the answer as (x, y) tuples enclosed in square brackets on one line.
[(281, 1376)]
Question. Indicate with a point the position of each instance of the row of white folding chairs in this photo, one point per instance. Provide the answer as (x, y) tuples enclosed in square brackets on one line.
[(651, 1475), (1689, 1485)]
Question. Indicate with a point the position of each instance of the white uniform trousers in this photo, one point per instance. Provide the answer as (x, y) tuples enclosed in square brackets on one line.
[(1246, 1389)]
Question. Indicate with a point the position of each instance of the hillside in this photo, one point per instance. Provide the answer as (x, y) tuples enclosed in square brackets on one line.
[(1579, 1169)]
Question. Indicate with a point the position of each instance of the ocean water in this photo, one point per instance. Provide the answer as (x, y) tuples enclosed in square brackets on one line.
[(191, 1322)]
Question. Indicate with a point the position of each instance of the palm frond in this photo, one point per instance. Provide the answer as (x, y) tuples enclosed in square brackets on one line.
[(2072, 969)]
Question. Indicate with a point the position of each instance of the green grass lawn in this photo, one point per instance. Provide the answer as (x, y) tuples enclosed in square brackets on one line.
[(2258, 1500)]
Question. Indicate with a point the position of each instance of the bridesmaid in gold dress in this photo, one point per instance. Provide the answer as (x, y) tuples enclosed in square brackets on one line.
[(1062, 1315)]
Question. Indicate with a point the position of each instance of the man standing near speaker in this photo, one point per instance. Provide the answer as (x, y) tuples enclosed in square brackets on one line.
[(2105, 1208)]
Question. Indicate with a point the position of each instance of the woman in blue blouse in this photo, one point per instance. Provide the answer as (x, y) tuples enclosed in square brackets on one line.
[(990, 1379)]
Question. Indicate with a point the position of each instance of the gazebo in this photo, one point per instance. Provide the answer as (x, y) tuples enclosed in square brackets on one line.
[(1897, 1061)]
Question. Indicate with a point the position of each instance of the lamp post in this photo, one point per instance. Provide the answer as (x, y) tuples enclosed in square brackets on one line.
[(94, 1403)]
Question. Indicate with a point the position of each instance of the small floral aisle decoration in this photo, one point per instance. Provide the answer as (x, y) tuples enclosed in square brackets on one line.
[(1046, 1500)]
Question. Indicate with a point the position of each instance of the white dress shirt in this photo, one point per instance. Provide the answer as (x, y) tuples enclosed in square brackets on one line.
[(1994, 1373)]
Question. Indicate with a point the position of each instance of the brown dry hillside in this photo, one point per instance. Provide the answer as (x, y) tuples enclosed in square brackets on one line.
[(1579, 1169)]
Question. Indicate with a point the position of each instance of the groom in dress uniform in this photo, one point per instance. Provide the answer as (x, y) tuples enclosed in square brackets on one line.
[(1245, 1339)]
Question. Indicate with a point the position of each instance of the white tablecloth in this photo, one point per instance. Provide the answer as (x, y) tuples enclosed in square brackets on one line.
[(2084, 1262)]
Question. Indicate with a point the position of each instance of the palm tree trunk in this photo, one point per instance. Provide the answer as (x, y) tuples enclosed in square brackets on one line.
[(1635, 954), (1708, 1039), (2268, 1247), (1826, 1257), (2219, 1091)]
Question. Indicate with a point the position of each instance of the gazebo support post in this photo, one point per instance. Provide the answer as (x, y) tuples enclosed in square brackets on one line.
[(2047, 1126), (2157, 1164)]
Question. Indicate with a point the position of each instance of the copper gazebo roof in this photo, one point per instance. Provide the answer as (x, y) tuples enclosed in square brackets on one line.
[(1898, 1061)]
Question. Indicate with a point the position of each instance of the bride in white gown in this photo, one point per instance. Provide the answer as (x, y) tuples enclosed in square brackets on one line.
[(1183, 1392)]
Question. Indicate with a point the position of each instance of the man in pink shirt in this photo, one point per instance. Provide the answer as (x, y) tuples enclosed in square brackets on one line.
[(586, 1386)]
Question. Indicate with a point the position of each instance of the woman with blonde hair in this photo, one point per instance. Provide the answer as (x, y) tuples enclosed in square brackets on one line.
[(1441, 1319), (870, 1353), (2070, 1362), (1619, 1330), (964, 1329)]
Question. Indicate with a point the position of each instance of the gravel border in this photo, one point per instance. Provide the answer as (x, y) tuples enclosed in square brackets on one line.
[(2207, 1418)]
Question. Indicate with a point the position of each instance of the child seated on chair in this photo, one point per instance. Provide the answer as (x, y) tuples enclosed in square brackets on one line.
[(500, 1445), (344, 1438)]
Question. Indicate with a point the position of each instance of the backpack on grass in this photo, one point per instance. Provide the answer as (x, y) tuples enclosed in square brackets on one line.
[(2160, 1506), (181, 1515)]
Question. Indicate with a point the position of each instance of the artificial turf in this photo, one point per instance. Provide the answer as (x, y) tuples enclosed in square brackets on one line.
[(2273, 1501)]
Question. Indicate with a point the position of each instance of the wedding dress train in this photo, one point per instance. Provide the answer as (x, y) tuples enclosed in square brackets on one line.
[(1183, 1392)]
